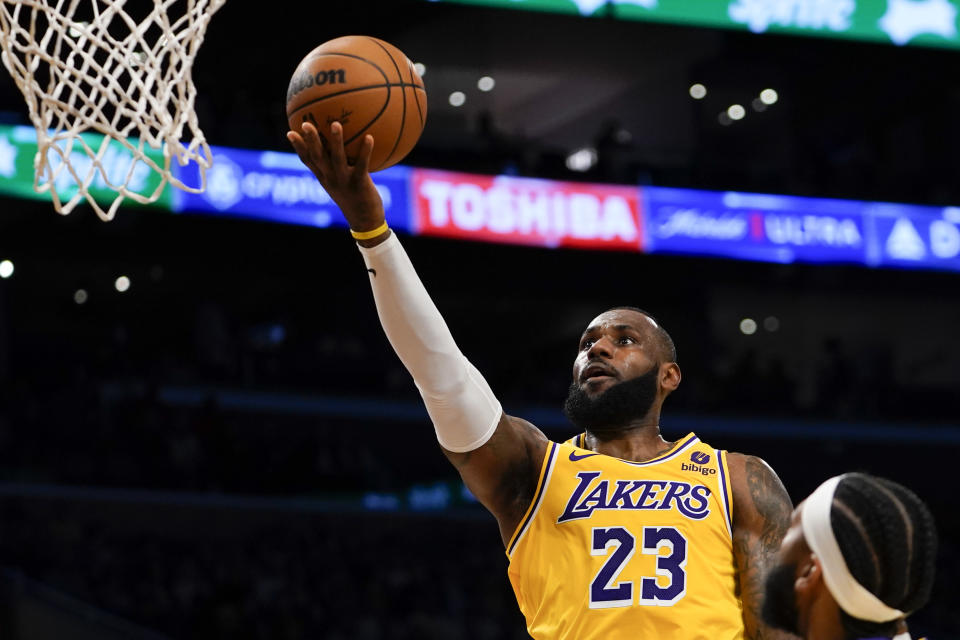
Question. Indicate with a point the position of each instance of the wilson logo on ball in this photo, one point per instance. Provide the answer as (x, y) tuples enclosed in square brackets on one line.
[(316, 79)]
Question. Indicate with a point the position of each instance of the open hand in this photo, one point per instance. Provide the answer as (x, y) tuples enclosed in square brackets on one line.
[(348, 183)]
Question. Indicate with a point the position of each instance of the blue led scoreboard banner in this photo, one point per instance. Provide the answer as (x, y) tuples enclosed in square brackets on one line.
[(275, 186)]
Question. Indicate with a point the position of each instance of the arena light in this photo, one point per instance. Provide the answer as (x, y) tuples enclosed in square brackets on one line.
[(736, 112), (698, 91), (769, 96), (486, 83), (771, 323), (122, 284), (77, 28), (420, 68), (6, 269), (758, 105), (457, 98), (582, 159), (724, 119), (80, 296), (748, 326)]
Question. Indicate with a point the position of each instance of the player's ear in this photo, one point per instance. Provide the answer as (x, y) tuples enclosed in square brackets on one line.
[(670, 376), (809, 574)]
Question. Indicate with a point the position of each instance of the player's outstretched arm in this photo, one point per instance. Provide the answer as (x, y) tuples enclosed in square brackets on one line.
[(498, 456), (761, 517)]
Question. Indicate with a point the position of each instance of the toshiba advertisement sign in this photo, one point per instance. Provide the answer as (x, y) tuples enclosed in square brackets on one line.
[(526, 211)]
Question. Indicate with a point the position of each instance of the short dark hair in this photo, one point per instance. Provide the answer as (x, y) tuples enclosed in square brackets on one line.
[(889, 541), (668, 350)]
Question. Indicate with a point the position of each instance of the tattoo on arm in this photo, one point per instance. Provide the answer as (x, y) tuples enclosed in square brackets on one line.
[(772, 503), (755, 546)]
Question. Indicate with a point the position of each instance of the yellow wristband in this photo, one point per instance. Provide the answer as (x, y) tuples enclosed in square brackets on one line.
[(366, 235)]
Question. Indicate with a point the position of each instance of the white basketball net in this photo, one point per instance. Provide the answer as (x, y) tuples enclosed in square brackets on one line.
[(91, 66)]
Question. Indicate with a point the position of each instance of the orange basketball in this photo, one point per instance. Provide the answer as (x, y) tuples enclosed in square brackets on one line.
[(369, 87)]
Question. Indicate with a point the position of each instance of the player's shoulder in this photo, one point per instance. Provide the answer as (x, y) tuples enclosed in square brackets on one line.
[(757, 489), (744, 463), (751, 470)]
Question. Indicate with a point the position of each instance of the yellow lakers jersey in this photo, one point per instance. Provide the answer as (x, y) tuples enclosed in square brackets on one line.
[(616, 549)]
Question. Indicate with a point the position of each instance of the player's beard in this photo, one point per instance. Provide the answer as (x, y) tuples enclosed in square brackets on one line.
[(779, 601), (615, 408)]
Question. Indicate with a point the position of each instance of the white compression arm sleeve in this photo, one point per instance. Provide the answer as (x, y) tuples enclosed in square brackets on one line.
[(461, 404)]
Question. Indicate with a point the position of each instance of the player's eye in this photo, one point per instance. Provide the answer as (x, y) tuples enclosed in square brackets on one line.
[(586, 344), (627, 340)]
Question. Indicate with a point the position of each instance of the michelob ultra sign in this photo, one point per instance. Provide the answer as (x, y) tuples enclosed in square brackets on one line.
[(526, 211)]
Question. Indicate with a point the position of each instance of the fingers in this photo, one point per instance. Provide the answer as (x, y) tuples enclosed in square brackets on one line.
[(308, 154), (298, 144), (337, 155), (363, 158), (317, 149)]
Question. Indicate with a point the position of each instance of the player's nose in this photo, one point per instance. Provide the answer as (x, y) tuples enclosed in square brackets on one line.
[(601, 348)]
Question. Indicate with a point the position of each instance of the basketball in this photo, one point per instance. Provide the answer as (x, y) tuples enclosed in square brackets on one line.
[(369, 87)]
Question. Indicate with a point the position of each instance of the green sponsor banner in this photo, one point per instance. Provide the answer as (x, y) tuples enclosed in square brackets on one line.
[(916, 22), (18, 148)]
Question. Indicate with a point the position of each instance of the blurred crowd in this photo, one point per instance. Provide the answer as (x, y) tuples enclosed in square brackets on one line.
[(83, 429), (191, 574)]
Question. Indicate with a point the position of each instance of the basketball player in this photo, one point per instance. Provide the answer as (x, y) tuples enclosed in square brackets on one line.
[(618, 533), (857, 559)]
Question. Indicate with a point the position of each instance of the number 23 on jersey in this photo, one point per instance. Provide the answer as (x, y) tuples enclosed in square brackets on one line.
[(619, 545)]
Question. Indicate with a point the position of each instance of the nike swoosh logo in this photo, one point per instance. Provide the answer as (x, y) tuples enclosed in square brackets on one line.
[(574, 457), (373, 271)]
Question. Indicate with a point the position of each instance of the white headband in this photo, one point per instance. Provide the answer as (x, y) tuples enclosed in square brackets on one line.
[(849, 594)]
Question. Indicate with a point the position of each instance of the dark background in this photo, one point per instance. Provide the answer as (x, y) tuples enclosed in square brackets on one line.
[(191, 456)]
